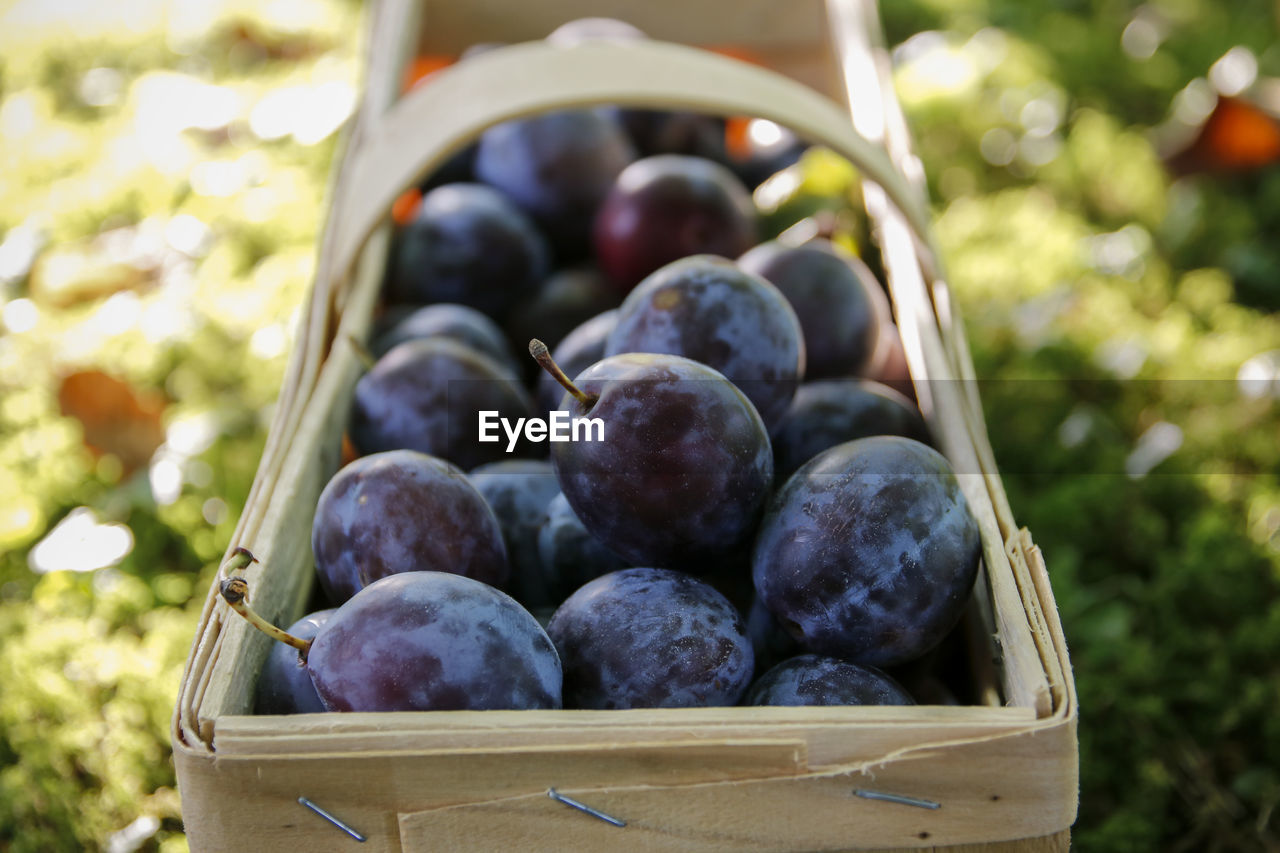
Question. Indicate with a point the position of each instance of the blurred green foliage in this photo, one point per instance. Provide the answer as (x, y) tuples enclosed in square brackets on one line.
[(171, 252), (1108, 305)]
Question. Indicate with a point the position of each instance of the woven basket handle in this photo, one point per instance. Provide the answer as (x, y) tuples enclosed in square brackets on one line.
[(429, 123)]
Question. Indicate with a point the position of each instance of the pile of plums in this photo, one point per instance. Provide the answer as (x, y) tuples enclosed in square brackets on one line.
[(759, 518)]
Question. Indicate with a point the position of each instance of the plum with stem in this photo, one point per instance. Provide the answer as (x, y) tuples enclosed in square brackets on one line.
[(684, 468), (422, 641)]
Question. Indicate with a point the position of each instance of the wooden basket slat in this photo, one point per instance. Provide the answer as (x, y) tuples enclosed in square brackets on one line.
[(828, 742)]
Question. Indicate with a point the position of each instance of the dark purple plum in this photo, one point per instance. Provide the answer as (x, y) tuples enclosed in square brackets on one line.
[(869, 551), (830, 290), (470, 245), (403, 511), (427, 395), (832, 411), (455, 322), (566, 300), (569, 554), (683, 471), (580, 349), (431, 641), (520, 491), (707, 309), (284, 685), (817, 680), (666, 207), (650, 638), (558, 167)]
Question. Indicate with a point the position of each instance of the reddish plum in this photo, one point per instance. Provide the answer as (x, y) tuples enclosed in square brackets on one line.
[(666, 207)]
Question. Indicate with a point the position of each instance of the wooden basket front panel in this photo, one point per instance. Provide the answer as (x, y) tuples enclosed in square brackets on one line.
[(773, 784)]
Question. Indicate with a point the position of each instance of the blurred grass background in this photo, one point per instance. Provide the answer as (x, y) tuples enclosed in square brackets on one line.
[(160, 195)]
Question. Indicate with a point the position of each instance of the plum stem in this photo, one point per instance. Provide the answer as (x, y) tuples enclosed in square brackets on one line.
[(235, 591), (540, 354)]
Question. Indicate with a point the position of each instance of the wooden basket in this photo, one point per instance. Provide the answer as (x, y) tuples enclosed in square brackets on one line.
[(1001, 775)]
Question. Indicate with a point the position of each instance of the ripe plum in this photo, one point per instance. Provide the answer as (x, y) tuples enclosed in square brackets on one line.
[(403, 511), (832, 411), (650, 638), (770, 642), (869, 551), (566, 300), (830, 292), (284, 685), (580, 349), (467, 244), (707, 309), (817, 680), (427, 395), (455, 322), (570, 555), (666, 207), (558, 167), (520, 491), (430, 641), (685, 466)]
